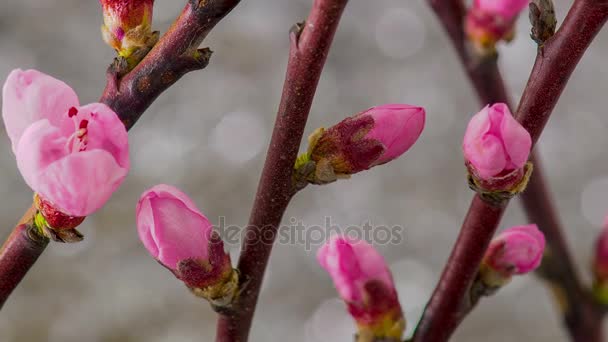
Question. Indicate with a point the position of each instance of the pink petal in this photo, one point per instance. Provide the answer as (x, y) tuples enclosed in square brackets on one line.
[(40, 146), (29, 96), (168, 191), (81, 182), (516, 139), (507, 9), (145, 224), (105, 131), (397, 126), (179, 232), (351, 264), (517, 249)]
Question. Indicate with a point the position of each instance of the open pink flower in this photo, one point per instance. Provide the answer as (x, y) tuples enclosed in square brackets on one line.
[(517, 250), (74, 157), (495, 143), (375, 136), (171, 227)]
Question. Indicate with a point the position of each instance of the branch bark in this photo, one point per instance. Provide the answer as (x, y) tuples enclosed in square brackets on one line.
[(554, 64), (129, 94), (310, 43)]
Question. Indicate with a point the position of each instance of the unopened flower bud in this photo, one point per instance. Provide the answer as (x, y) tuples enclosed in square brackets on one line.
[(365, 283), (373, 137), (515, 251), (496, 148), (127, 25), (489, 21), (181, 238)]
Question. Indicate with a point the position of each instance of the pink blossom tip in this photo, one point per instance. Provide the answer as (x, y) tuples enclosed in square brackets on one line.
[(495, 144), (373, 137), (171, 227), (73, 156), (364, 282), (517, 250), (127, 24)]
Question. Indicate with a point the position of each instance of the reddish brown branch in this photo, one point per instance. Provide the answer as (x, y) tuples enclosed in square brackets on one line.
[(554, 64), (558, 267), (129, 95), (18, 254), (175, 55), (310, 45)]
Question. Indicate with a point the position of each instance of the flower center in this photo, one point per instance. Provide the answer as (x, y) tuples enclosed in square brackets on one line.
[(77, 142)]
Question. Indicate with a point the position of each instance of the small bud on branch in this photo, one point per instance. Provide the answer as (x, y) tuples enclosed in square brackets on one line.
[(373, 137), (365, 283), (181, 238), (127, 26)]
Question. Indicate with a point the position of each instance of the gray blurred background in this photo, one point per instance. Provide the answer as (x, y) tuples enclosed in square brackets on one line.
[(208, 135)]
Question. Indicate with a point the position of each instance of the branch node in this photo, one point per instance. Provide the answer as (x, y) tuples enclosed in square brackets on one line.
[(542, 18)]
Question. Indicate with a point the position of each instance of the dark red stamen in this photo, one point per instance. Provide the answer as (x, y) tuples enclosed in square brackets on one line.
[(84, 124), (73, 111)]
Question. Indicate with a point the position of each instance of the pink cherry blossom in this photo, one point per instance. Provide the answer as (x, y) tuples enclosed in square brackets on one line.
[(397, 126), (171, 227), (507, 10), (495, 143), (73, 156), (517, 250), (351, 264)]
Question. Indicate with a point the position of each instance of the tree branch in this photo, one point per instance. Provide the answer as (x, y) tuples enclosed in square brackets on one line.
[(310, 43), (554, 64), (129, 94)]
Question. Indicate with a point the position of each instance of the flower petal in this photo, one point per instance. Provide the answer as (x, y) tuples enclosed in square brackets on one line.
[(29, 96), (516, 139), (179, 232), (105, 131), (81, 182), (41, 145)]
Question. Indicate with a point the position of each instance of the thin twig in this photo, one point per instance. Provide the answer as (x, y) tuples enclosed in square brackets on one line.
[(310, 43), (129, 94), (578, 309), (554, 64)]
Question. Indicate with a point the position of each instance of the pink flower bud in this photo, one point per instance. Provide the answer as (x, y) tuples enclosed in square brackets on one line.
[(517, 250), (180, 237), (127, 24), (373, 137), (495, 144), (73, 156), (365, 283), (489, 21)]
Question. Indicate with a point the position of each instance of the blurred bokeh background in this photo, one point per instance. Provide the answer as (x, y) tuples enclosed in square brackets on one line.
[(208, 135)]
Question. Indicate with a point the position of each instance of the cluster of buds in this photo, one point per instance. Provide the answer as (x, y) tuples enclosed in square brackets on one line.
[(73, 157), (489, 21), (515, 251), (182, 239), (373, 137), (600, 266), (496, 148), (365, 283), (128, 26)]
